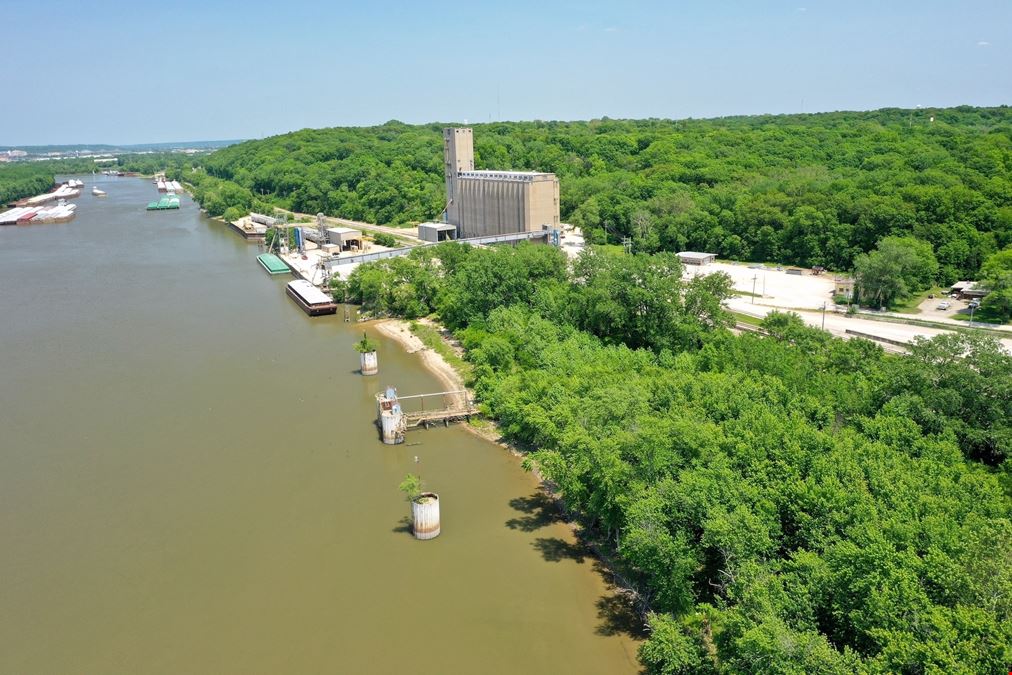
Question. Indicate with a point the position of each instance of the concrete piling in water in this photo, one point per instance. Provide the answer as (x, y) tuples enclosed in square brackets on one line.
[(390, 417), (369, 362), (425, 516), (390, 422)]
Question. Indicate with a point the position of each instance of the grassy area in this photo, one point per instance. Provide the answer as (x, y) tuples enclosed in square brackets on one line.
[(433, 339), (912, 304), (746, 318), (979, 316), (609, 249)]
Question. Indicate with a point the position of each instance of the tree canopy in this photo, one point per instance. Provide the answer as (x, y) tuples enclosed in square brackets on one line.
[(780, 504), (896, 268), (996, 276)]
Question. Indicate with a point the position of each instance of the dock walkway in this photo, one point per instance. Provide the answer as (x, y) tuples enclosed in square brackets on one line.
[(453, 406), (393, 421)]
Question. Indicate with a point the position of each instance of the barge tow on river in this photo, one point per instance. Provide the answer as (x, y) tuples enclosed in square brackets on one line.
[(311, 299)]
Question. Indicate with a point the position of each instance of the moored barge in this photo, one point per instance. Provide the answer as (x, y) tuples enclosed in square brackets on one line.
[(273, 264), (311, 299)]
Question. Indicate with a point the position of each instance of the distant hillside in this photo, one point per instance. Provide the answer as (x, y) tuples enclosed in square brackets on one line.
[(803, 189), (104, 147)]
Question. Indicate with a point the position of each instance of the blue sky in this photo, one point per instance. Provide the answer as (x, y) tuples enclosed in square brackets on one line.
[(133, 72)]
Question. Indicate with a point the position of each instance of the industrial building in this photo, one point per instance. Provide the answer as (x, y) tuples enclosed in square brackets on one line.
[(436, 232), (481, 203), (345, 238), (696, 258)]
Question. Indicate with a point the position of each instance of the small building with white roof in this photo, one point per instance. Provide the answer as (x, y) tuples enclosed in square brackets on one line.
[(696, 258)]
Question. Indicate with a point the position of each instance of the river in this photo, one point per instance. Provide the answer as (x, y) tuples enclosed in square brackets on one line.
[(190, 480)]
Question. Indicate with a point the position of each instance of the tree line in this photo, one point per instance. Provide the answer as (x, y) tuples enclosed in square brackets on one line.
[(26, 179), (783, 503)]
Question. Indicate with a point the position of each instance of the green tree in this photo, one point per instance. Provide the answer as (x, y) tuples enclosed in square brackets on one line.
[(996, 276), (232, 214), (897, 267)]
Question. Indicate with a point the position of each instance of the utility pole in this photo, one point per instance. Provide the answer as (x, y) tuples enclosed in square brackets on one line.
[(823, 316), (754, 277), (971, 316)]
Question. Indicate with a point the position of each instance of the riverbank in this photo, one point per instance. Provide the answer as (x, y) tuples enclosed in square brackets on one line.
[(452, 377), (400, 332)]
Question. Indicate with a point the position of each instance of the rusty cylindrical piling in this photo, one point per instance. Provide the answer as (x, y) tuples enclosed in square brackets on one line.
[(425, 516)]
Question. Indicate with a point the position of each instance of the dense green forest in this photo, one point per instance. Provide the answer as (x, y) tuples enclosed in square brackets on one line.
[(23, 179), (794, 503), (802, 189)]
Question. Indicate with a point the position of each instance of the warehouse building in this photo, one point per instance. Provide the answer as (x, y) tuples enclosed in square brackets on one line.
[(345, 238), (436, 232), (481, 203), (696, 258)]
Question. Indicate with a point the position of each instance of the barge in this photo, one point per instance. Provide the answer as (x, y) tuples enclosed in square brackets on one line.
[(32, 215), (311, 299), (273, 264), (169, 201)]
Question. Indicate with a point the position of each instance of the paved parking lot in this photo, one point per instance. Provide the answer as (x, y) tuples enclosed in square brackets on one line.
[(929, 308), (773, 287)]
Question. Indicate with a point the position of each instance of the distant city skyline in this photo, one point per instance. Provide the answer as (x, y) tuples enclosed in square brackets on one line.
[(137, 73)]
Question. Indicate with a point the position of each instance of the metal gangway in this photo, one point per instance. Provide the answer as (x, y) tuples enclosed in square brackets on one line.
[(438, 407), (432, 409)]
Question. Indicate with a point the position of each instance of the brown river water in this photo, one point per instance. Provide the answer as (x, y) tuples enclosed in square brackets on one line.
[(191, 482)]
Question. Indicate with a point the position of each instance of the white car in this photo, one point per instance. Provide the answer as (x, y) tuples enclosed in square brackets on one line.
[(943, 305)]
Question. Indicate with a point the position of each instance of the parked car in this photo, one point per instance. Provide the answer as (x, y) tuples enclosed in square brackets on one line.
[(943, 305), (975, 303)]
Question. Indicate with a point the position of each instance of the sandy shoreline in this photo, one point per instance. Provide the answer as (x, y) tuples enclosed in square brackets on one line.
[(400, 331)]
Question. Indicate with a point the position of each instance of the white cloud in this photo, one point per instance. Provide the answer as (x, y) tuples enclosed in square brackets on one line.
[(802, 9), (611, 29), (983, 43)]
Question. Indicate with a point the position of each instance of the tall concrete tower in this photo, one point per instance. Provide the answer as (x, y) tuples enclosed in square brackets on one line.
[(458, 155)]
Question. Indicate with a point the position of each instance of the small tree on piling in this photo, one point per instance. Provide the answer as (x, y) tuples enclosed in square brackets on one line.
[(365, 345), (411, 486), (424, 508)]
